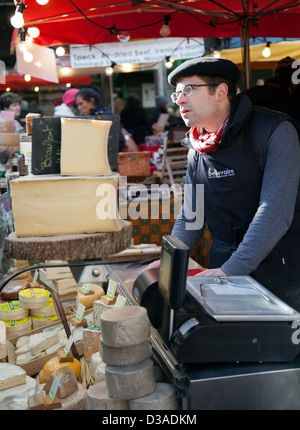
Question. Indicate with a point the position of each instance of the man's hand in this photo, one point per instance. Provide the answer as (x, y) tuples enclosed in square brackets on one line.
[(212, 272)]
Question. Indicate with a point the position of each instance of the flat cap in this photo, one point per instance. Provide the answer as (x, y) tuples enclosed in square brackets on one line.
[(205, 66)]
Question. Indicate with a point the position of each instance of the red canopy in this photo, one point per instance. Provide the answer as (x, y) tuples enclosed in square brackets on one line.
[(90, 21), (17, 82)]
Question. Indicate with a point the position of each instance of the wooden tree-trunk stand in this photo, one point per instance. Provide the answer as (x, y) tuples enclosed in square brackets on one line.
[(68, 247)]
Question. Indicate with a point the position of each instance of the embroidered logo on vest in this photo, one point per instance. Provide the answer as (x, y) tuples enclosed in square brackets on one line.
[(214, 173)]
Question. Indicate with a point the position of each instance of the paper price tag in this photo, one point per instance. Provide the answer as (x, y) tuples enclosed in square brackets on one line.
[(80, 312), (120, 301), (37, 388), (86, 287), (68, 345), (53, 389), (35, 276), (111, 289)]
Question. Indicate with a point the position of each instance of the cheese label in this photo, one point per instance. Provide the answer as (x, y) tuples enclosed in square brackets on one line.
[(80, 312), (51, 318), (15, 323), (111, 289), (34, 293), (10, 306), (54, 388), (86, 287), (120, 301), (68, 345)]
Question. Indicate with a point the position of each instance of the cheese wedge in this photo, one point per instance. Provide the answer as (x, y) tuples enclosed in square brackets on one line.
[(84, 147), (50, 205), (11, 376)]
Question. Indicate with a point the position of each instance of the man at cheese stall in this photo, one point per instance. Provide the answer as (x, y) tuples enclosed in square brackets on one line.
[(248, 159)]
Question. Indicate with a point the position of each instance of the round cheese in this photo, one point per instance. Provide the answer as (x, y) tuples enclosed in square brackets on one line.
[(34, 298), (130, 382), (45, 311), (163, 398), (42, 321), (54, 364), (10, 311), (98, 399), (125, 326), (125, 355), (17, 327)]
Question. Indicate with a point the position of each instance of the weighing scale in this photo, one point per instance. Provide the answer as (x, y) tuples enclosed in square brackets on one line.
[(234, 339)]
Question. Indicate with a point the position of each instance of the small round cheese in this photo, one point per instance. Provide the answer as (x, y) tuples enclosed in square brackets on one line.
[(34, 298), (10, 311)]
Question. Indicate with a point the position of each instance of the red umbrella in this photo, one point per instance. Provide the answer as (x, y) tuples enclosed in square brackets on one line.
[(99, 21)]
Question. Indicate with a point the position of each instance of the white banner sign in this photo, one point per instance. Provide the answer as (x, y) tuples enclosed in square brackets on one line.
[(142, 51)]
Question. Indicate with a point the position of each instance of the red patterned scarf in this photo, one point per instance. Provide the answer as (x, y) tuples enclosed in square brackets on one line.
[(206, 142)]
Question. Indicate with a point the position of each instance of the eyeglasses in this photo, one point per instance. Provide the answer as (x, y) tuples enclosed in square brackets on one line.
[(187, 91)]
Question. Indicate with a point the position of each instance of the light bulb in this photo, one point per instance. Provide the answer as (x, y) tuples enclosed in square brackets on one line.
[(22, 46), (27, 56), (17, 20), (36, 89), (42, 2), (60, 51), (266, 52), (109, 71), (123, 36), (33, 32), (168, 64), (27, 77), (165, 31)]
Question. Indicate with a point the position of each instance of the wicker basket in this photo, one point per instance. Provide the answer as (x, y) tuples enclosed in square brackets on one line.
[(134, 163)]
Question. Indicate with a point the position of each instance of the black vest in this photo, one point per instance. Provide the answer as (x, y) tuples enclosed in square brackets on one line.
[(232, 177)]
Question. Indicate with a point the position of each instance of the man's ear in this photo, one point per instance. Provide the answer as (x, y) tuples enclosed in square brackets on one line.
[(222, 92)]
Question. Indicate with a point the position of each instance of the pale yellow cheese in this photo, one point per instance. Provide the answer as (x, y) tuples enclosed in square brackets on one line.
[(84, 147), (49, 205)]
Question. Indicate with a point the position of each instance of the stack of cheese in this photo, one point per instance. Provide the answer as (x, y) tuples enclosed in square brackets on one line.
[(34, 308), (51, 339), (82, 199), (9, 143), (60, 279), (129, 372), (24, 165)]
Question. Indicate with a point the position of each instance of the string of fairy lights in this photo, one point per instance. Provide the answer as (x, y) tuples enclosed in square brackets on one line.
[(28, 34)]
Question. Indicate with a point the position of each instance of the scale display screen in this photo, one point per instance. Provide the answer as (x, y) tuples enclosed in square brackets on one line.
[(238, 298), (173, 271)]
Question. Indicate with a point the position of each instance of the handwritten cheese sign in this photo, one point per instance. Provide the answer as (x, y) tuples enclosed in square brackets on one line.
[(46, 142)]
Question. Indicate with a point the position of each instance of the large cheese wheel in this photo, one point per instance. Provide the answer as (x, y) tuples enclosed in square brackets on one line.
[(53, 364), (125, 326)]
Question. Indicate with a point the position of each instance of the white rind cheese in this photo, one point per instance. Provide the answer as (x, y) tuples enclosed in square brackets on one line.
[(11, 376), (50, 205), (84, 147)]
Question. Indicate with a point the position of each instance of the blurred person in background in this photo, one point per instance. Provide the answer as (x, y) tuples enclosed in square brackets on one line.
[(12, 102), (135, 120), (68, 106), (90, 101)]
